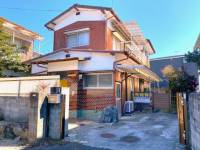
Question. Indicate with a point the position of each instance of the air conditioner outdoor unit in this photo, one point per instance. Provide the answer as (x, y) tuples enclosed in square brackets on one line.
[(128, 107)]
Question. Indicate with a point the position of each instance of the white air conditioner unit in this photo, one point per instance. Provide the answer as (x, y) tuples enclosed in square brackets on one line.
[(128, 107)]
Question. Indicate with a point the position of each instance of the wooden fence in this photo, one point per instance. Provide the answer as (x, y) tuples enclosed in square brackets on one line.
[(161, 101)]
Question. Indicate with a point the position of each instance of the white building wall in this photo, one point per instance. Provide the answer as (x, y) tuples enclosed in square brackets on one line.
[(35, 68), (24, 85), (69, 18), (98, 62), (63, 66)]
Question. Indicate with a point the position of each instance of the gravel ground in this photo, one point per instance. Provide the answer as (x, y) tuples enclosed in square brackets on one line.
[(141, 131)]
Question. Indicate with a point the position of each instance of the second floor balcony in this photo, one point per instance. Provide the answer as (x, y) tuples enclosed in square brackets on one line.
[(135, 51)]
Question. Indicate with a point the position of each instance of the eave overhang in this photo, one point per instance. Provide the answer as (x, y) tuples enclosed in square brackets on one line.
[(139, 70)]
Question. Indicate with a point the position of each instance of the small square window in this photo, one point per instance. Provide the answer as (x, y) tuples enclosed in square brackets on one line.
[(105, 80), (77, 39), (98, 81), (90, 81), (83, 38)]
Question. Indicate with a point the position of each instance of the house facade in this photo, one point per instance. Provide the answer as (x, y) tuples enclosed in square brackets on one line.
[(178, 62), (104, 61), (22, 38), (197, 44)]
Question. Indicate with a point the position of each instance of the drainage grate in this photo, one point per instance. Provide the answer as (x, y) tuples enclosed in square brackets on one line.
[(129, 139), (108, 135)]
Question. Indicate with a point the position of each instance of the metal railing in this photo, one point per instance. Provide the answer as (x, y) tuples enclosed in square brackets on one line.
[(135, 51), (142, 94)]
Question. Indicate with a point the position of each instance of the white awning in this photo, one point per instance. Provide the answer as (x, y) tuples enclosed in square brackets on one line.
[(139, 70)]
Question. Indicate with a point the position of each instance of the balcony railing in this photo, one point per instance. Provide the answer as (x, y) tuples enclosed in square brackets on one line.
[(136, 52)]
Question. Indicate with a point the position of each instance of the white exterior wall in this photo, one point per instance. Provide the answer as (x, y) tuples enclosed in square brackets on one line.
[(63, 66), (22, 86), (98, 61), (35, 68), (85, 15)]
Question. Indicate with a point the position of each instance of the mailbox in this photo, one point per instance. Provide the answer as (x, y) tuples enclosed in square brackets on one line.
[(54, 98)]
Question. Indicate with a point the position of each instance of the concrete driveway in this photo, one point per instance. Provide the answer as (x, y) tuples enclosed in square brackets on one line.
[(152, 131)]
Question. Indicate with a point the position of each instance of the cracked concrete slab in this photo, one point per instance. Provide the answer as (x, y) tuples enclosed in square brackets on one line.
[(139, 131)]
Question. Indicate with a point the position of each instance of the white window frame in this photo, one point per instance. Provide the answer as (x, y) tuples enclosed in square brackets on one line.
[(115, 39), (98, 87), (76, 32)]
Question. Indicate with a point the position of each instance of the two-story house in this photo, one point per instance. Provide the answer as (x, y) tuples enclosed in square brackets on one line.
[(197, 44), (22, 38), (104, 60)]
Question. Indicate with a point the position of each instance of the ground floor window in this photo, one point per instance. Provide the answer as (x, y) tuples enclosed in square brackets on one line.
[(118, 90), (103, 80)]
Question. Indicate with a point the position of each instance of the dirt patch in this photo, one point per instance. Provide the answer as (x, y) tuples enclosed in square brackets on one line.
[(129, 139), (108, 135)]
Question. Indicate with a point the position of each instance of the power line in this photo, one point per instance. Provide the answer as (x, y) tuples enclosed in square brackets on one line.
[(28, 9)]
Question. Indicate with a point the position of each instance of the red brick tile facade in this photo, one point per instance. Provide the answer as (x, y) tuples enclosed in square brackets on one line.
[(97, 34), (88, 99)]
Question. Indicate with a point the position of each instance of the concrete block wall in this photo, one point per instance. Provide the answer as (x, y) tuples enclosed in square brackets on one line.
[(194, 108), (14, 108)]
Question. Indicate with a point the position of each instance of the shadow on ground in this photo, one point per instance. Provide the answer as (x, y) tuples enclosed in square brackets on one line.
[(141, 131)]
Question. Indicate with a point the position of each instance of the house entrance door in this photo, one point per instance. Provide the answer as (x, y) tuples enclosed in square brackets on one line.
[(118, 98)]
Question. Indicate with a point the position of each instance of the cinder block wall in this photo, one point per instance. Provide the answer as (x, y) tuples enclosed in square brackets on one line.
[(14, 109), (194, 108)]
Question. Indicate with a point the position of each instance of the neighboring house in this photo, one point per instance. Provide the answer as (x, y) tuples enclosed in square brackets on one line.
[(104, 60), (178, 62), (197, 44), (21, 37)]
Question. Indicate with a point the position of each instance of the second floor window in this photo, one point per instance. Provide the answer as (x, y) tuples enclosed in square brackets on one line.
[(77, 39), (116, 44)]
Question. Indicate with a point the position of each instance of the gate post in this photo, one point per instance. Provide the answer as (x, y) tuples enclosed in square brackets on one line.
[(37, 120), (181, 118), (187, 119), (56, 117)]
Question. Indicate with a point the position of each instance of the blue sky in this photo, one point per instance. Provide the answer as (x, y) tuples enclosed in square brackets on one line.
[(172, 25)]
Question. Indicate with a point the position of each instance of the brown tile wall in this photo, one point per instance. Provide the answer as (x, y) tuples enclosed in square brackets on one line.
[(89, 99), (97, 34)]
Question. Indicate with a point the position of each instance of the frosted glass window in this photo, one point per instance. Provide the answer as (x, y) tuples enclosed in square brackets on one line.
[(90, 81), (98, 80), (71, 40), (83, 38), (105, 80), (116, 44), (78, 39)]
